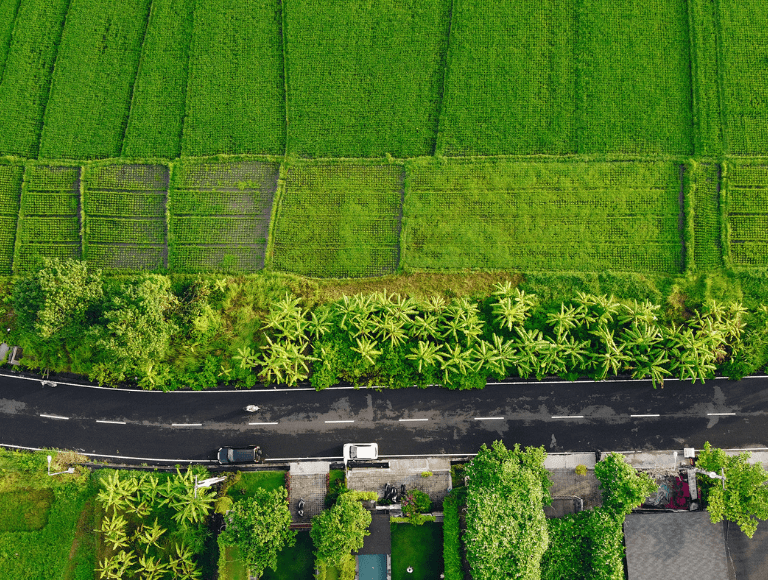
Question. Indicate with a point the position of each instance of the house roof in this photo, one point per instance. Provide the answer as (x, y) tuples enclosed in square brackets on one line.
[(749, 555), (660, 545)]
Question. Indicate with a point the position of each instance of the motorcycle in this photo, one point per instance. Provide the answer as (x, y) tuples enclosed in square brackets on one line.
[(300, 508)]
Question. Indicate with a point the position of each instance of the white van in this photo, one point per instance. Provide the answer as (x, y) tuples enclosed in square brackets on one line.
[(360, 452)]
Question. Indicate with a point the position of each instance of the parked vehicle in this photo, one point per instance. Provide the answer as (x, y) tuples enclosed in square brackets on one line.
[(360, 452), (240, 455)]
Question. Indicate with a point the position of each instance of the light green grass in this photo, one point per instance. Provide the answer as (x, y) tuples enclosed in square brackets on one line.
[(26, 76), (250, 481), (10, 191), (157, 108), (296, 563), (235, 92), (93, 79), (339, 220), (511, 78), (633, 80), (364, 79), (231, 566), (543, 216), (24, 510), (746, 211), (420, 547)]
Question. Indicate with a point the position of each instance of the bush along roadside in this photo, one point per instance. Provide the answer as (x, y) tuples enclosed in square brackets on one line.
[(148, 332)]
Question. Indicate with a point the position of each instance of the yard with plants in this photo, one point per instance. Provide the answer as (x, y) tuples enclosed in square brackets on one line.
[(417, 547)]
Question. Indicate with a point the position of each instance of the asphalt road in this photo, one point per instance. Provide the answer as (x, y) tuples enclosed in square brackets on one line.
[(184, 426)]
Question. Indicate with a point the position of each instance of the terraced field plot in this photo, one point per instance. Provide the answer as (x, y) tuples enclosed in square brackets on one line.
[(219, 215), (49, 223), (365, 79), (747, 214), (93, 79), (707, 251), (26, 77), (339, 220), (10, 190), (511, 79), (236, 92), (157, 107), (125, 224), (543, 216), (744, 52)]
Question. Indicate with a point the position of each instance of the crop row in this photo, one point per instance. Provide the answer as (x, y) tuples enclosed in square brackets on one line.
[(125, 257), (108, 203), (26, 79), (51, 178), (707, 247), (10, 189), (37, 229), (125, 231), (95, 70), (218, 230), (223, 258)]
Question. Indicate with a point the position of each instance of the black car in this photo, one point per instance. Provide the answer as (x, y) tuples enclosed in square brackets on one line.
[(234, 455)]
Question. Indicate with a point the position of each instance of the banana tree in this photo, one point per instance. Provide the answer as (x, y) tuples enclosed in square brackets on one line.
[(456, 361), (150, 535), (391, 328), (151, 568), (118, 491), (425, 326), (114, 529), (487, 357), (366, 348), (564, 321), (427, 354)]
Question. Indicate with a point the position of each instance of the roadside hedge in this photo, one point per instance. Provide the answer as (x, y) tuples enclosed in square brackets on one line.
[(452, 539)]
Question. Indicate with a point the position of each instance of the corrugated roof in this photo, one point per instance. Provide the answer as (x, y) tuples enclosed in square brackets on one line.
[(668, 544)]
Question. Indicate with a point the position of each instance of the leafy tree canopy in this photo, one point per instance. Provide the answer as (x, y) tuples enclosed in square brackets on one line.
[(745, 497), (340, 530), (260, 527), (622, 487)]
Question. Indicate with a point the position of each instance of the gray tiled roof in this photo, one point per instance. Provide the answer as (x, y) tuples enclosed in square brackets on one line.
[(674, 545)]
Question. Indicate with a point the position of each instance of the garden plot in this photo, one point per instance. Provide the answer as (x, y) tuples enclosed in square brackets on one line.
[(125, 224), (49, 223), (26, 78), (705, 188), (236, 92), (157, 107), (744, 50), (511, 78), (365, 78), (543, 216), (93, 79), (746, 208), (10, 191), (339, 220), (219, 215)]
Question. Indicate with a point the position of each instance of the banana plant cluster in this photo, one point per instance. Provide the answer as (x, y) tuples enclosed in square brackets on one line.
[(137, 543), (508, 334)]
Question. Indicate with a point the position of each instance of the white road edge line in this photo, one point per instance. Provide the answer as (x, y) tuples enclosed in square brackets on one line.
[(406, 420), (186, 424), (488, 418), (111, 422), (645, 415), (720, 414), (345, 421), (54, 417), (567, 416), (275, 423)]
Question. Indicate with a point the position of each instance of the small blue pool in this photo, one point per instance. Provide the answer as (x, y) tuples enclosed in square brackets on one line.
[(372, 566)]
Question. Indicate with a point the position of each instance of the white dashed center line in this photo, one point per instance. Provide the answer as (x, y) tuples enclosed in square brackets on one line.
[(349, 421), (111, 422), (645, 415), (271, 423), (406, 420), (54, 417), (186, 424), (720, 414), (568, 416), (489, 418)]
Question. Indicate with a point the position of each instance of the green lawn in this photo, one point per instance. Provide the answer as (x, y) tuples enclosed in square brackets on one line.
[(249, 482), (420, 547), (296, 563), (24, 510)]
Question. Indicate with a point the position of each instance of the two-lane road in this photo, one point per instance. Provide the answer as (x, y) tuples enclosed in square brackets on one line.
[(292, 423)]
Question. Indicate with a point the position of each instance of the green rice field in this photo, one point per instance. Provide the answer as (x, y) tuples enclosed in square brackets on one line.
[(369, 138)]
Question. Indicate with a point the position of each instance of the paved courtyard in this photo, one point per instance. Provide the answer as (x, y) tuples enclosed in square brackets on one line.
[(308, 483)]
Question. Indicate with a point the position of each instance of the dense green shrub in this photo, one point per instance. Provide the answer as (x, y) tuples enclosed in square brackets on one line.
[(452, 539)]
